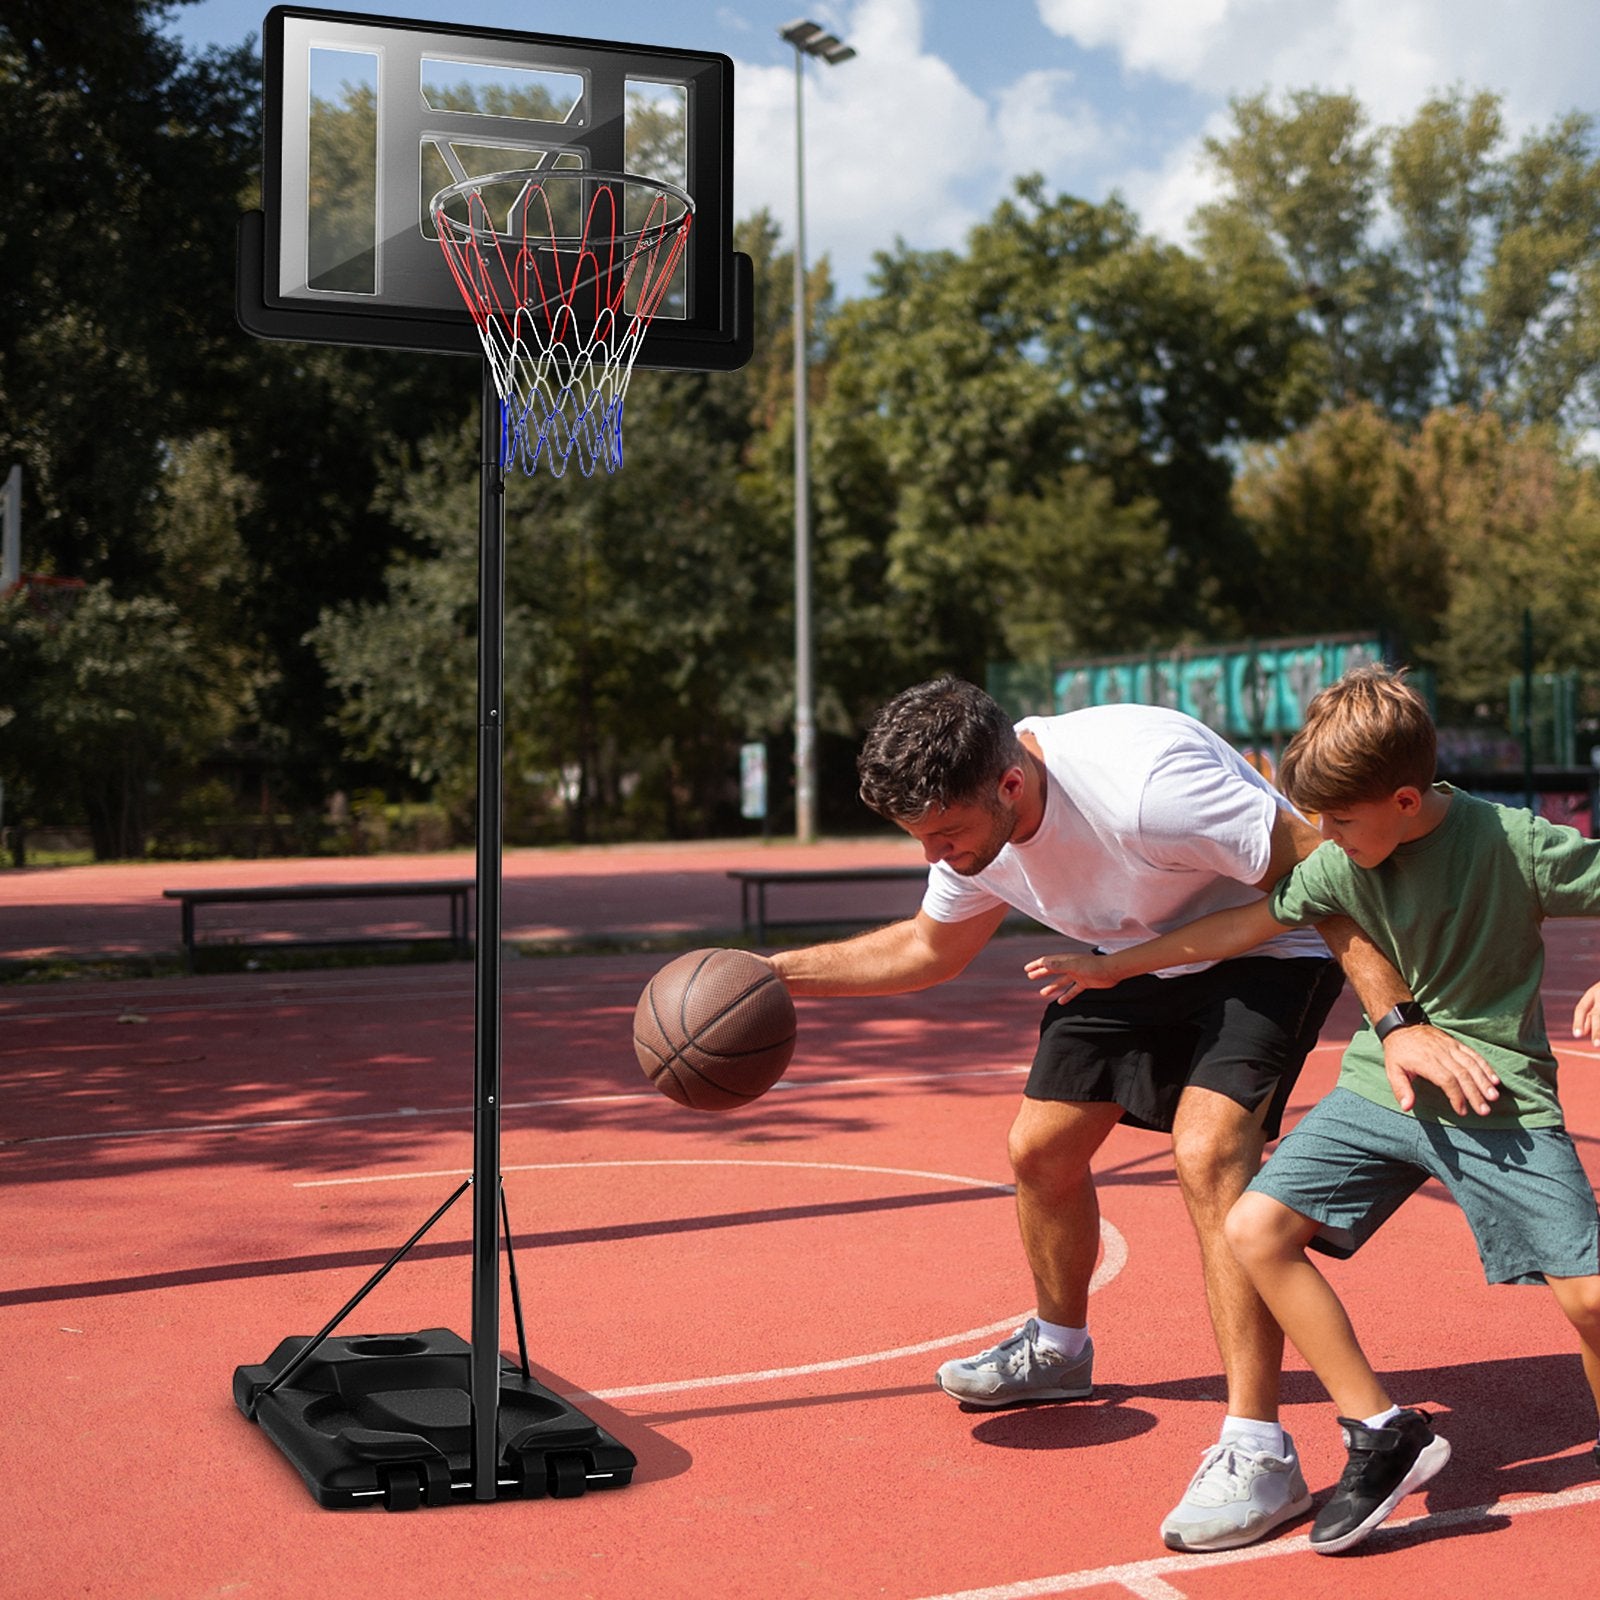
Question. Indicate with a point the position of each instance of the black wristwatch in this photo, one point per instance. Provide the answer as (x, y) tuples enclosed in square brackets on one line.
[(1408, 1014)]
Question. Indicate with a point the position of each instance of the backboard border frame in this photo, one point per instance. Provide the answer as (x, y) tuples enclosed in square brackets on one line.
[(267, 314)]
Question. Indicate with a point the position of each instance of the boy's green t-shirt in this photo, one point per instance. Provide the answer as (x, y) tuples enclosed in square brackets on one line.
[(1458, 913)]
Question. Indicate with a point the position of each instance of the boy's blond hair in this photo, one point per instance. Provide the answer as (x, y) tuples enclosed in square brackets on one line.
[(1364, 737)]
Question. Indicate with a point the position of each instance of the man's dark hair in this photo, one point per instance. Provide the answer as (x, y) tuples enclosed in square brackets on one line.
[(936, 745)]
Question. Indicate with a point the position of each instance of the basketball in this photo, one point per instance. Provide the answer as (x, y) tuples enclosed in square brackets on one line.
[(714, 1029)]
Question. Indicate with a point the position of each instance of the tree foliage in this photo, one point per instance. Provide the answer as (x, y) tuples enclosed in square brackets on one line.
[(1435, 264), (1356, 402), (1442, 537)]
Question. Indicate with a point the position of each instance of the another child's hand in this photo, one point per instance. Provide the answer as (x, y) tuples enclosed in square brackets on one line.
[(1586, 1016), (1068, 974)]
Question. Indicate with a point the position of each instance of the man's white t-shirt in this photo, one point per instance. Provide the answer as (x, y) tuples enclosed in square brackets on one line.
[(1150, 820)]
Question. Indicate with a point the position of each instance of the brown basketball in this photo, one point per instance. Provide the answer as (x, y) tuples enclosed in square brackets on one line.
[(714, 1029)]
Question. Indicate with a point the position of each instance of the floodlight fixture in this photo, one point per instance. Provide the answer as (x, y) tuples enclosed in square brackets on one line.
[(815, 40)]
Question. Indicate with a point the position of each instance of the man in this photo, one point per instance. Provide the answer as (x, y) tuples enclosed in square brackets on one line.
[(1112, 825)]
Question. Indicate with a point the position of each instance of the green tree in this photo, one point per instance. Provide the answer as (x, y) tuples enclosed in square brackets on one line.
[(1518, 520), (1535, 344), (967, 384), (124, 165), (1338, 545), (1305, 180), (1444, 185), (638, 624), (124, 691), (1433, 265), (1441, 537)]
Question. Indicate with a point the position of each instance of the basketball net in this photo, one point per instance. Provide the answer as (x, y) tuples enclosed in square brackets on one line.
[(562, 272)]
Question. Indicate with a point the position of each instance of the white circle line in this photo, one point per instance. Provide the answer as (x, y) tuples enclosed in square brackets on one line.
[(1115, 1257), (1113, 1260)]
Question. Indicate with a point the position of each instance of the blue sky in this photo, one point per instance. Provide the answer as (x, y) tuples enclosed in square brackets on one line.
[(949, 100)]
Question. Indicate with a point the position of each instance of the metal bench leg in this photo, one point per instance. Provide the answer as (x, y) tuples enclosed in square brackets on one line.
[(188, 934)]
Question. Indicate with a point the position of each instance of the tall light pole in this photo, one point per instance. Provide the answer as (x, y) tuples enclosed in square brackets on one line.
[(808, 39)]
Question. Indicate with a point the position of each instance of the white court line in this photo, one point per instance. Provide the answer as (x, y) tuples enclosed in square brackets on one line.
[(675, 1161), (1113, 1258), (774, 1374), (1148, 1579)]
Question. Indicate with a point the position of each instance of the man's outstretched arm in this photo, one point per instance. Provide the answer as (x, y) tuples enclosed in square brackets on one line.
[(914, 954)]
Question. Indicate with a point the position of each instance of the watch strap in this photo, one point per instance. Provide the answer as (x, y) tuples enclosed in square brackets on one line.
[(1408, 1014)]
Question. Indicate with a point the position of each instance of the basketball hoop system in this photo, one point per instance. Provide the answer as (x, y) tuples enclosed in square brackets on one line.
[(562, 272), (561, 278)]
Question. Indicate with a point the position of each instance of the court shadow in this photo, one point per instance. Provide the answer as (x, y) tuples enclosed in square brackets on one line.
[(1065, 1424), (659, 1458), (1519, 1426), (745, 1408)]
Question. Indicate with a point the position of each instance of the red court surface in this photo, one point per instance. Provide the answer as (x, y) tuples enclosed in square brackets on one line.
[(632, 892), (753, 1303)]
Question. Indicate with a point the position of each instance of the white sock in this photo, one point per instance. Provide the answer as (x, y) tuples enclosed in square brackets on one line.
[(1383, 1418), (1267, 1436), (1064, 1341)]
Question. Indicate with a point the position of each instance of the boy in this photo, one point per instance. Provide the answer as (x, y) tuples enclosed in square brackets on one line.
[(1453, 890)]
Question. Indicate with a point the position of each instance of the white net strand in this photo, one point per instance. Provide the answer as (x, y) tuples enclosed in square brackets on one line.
[(551, 307)]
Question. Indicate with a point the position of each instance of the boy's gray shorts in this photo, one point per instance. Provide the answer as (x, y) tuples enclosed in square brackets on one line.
[(1350, 1164)]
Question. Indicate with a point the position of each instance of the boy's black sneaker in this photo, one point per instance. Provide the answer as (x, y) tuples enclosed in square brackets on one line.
[(1385, 1465)]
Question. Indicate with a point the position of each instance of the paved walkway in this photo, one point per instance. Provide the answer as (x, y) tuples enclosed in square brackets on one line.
[(623, 892)]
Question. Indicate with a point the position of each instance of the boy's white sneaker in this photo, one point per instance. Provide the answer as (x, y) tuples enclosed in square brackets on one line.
[(1238, 1494)]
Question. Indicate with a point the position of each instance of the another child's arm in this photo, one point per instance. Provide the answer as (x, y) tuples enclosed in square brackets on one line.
[(1586, 1016), (1212, 938)]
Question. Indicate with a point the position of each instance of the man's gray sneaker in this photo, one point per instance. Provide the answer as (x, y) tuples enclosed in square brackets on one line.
[(1016, 1369), (1238, 1495)]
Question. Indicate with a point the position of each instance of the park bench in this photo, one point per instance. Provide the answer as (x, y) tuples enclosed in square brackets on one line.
[(456, 889), (755, 881)]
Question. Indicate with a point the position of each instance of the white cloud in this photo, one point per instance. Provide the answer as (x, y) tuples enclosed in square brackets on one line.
[(1393, 54), (1171, 37), (900, 145), (1167, 197), (897, 145), (1046, 128), (887, 136)]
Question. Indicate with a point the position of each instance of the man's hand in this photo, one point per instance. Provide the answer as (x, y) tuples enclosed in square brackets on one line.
[(1434, 1056), (1072, 972), (1586, 1016)]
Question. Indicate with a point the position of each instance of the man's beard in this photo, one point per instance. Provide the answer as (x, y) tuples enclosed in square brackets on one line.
[(986, 853)]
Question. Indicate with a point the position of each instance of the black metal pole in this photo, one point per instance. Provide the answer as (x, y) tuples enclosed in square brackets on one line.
[(486, 1051)]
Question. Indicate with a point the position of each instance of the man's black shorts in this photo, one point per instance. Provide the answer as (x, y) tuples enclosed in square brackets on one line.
[(1241, 1028)]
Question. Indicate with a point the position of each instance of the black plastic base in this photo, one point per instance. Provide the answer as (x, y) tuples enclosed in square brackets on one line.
[(386, 1419)]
